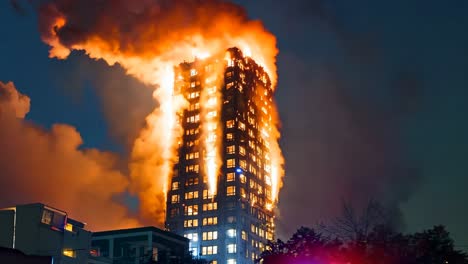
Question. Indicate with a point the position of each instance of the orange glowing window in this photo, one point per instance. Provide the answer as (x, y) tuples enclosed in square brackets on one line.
[(242, 150), (241, 126), (231, 163), (242, 178), (191, 195), (207, 195), (243, 164), (230, 176), (229, 136), (230, 123), (230, 149), (191, 210), (210, 206), (211, 235), (210, 221), (230, 190), (175, 198), (191, 223)]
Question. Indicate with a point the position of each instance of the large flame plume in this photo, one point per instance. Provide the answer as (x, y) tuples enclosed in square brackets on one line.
[(148, 38)]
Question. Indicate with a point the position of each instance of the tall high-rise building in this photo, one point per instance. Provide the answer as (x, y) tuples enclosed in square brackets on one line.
[(223, 190)]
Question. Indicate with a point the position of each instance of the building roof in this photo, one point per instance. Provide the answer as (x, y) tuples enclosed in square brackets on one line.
[(139, 229)]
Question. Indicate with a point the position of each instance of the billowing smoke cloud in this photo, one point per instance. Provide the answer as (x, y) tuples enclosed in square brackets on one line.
[(148, 38), (41, 165)]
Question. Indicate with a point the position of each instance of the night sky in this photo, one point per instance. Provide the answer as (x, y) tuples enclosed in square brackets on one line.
[(372, 97)]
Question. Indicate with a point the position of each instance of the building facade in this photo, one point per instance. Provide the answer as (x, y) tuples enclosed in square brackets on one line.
[(40, 230), (227, 215), (139, 246)]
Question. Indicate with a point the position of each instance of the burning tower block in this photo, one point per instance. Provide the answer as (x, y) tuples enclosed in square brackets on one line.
[(226, 179)]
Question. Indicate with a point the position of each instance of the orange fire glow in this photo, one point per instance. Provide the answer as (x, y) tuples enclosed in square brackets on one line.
[(148, 43)]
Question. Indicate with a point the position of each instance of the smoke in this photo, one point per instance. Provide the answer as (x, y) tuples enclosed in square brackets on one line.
[(48, 165), (148, 38)]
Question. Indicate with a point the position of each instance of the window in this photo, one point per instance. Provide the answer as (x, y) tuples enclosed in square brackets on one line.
[(194, 251), (229, 85), (191, 223), (242, 178), (192, 155), (210, 206), (69, 253), (231, 163), (192, 168), (231, 190), (229, 136), (231, 248), (175, 198), (231, 219), (211, 235), (191, 210), (69, 227), (211, 114), (193, 72), (193, 119), (244, 235), (210, 250), (241, 126), (174, 212), (192, 236), (191, 181), (191, 195), (207, 195), (231, 233), (230, 123), (175, 186), (194, 106), (230, 149), (210, 221), (193, 95), (230, 176), (231, 261), (242, 150), (243, 164), (243, 193), (47, 217)]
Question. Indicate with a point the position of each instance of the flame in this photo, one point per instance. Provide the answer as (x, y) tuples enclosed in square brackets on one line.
[(148, 39)]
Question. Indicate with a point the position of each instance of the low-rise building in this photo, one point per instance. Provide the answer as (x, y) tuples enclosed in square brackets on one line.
[(141, 245), (41, 230)]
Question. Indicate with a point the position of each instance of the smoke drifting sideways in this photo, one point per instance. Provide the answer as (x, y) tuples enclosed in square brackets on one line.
[(48, 166)]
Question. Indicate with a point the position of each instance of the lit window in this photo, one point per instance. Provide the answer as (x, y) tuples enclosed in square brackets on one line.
[(243, 193), (231, 261), (210, 221), (211, 114), (175, 186), (207, 195), (230, 123), (230, 149), (229, 85), (242, 178), (193, 72), (47, 217), (231, 190), (243, 164), (69, 227), (191, 181), (192, 168), (211, 235), (194, 251), (231, 233), (242, 150), (210, 206), (210, 250), (231, 248), (230, 176), (69, 253), (191, 223), (191, 210), (175, 198), (191, 195), (241, 126), (231, 163), (244, 235), (229, 136)]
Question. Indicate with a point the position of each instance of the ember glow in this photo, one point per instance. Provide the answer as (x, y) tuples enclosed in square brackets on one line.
[(148, 39)]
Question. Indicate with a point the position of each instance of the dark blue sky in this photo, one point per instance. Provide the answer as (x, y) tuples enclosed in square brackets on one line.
[(372, 96)]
